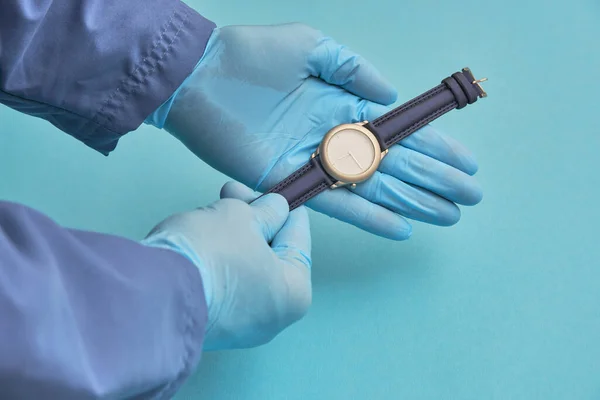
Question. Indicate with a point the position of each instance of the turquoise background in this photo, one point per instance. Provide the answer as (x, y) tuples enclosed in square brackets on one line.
[(504, 305)]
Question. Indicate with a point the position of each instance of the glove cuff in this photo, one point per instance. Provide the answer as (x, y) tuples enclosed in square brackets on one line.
[(159, 116), (180, 245)]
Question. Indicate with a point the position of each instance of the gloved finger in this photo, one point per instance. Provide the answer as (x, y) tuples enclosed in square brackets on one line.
[(429, 141), (408, 200), (420, 170), (293, 242), (364, 214), (293, 246), (237, 190), (271, 212), (340, 66)]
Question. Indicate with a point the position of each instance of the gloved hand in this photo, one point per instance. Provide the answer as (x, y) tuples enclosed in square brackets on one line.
[(260, 101), (254, 261)]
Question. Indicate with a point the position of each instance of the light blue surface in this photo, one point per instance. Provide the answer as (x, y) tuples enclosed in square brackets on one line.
[(505, 305)]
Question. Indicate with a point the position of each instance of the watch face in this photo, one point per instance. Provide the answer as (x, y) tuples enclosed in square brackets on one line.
[(350, 153)]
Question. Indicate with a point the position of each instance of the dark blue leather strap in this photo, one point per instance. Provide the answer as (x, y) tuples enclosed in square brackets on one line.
[(456, 91), (304, 184)]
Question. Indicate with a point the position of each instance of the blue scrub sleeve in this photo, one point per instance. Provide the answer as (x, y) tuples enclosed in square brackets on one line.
[(96, 68), (86, 315)]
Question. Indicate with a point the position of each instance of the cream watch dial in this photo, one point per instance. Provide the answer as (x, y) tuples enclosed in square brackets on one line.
[(350, 153)]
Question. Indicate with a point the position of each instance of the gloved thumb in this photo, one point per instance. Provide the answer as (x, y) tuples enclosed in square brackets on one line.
[(338, 65), (236, 190), (271, 210)]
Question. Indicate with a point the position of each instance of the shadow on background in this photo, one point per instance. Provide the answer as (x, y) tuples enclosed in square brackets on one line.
[(339, 270)]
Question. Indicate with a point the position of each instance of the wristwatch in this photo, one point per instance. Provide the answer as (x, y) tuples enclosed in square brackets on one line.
[(351, 153)]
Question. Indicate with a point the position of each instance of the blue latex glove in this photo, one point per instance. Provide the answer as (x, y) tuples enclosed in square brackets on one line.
[(262, 98), (254, 261)]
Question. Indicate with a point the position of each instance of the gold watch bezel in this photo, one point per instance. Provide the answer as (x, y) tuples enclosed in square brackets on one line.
[(343, 179)]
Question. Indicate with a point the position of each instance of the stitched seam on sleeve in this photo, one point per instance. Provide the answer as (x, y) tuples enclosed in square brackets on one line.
[(129, 81), (54, 108)]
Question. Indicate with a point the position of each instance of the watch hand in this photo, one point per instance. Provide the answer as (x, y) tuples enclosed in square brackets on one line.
[(355, 160), (342, 157)]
